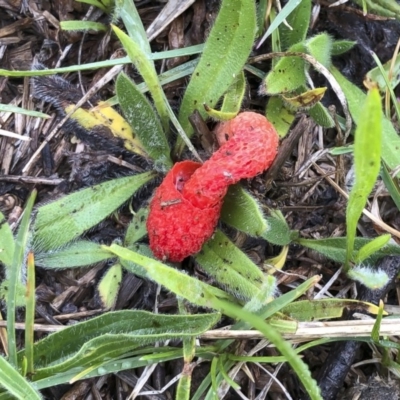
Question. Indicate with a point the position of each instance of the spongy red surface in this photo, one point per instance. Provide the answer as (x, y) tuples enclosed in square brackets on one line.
[(186, 206), (175, 226), (249, 146)]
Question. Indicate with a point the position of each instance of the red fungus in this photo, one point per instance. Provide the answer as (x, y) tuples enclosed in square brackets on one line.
[(186, 207)]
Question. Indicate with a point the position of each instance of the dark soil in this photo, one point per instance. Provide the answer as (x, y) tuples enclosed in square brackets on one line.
[(29, 33)]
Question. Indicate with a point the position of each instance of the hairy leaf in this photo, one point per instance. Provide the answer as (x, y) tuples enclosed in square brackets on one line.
[(225, 53), (63, 220)]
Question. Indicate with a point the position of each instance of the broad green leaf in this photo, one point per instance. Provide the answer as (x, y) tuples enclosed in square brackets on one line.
[(321, 115), (133, 267), (355, 97), (144, 121), (278, 231), (111, 335), (232, 102), (146, 68), (225, 53), (7, 243), (15, 277), (279, 115), (367, 158), (83, 26), (76, 254), (183, 285), (234, 96), (342, 46), (109, 286), (369, 277), (314, 310), (288, 74), (320, 47), (299, 20), (230, 267), (243, 212), (63, 220), (371, 248), (137, 228), (15, 384), (335, 248), (392, 185)]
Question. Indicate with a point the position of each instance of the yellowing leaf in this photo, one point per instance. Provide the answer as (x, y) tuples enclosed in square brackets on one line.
[(108, 118), (307, 99)]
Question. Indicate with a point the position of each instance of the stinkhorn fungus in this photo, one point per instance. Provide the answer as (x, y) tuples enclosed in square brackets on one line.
[(186, 206)]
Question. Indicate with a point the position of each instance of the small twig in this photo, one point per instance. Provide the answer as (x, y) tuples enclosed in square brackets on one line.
[(30, 179)]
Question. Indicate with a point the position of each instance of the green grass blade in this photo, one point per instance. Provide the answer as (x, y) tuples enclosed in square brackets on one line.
[(371, 248), (300, 20), (61, 221), (284, 347), (392, 185), (388, 87), (30, 313), (21, 244), (335, 248), (355, 97), (187, 51), (367, 157), (83, 26), (19, 110), (126, 10), (147, 70), (15, 384), (224, 56)]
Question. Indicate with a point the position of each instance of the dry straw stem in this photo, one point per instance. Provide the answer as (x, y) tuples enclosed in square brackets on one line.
[(367, 213), (305, 330), (316, 330)]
